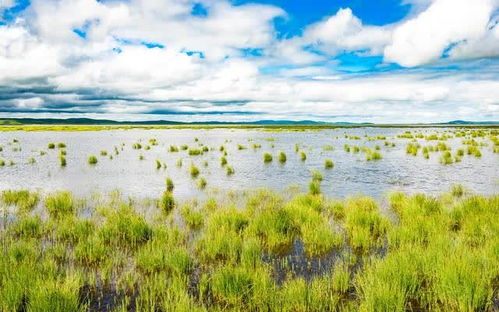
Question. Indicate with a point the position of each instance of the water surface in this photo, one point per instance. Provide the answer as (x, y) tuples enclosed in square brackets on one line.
[(352, 174)]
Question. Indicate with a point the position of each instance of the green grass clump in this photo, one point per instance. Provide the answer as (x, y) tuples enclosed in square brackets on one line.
[(167, 203), (103, 153), (173, 149), (51, 145), (223, 161), (373, 155), (194, 171), (169, 184), (412, 149), (163, 256), (61, 145), (328, 164), (267, 157), (303, 156), (446, 158), (202, 183), (62, 160), (2, 163), (282, 157), (158, 164), (193, 219), (457, 190), (316, 175), (60, 204), (230, 170), (123, 226), (195, 152), (24, 200), (92, 160), (314, 187)]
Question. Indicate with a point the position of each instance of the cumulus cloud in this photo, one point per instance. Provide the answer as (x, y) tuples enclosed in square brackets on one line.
[(424, 38), (150, 57)]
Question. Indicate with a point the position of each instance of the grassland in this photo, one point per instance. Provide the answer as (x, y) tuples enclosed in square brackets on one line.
[(304, 252)]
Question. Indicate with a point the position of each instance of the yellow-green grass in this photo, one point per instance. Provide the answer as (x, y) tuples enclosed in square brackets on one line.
[(427, 253)]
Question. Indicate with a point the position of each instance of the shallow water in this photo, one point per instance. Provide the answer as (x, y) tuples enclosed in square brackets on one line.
[(352, 174)]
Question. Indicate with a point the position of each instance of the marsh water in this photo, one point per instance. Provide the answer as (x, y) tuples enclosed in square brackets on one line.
[(133, 177)]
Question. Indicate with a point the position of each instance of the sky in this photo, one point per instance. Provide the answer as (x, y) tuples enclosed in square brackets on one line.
[(383, 61)]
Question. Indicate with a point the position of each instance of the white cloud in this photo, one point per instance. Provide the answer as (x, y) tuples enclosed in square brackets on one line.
[(344, 31), (424, 38), (111, 71)]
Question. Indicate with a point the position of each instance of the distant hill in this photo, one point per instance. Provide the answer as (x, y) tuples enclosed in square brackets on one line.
[(90, 121), (464, 122)]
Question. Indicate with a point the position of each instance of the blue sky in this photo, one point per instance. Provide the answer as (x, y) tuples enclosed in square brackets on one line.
[(337, 60)]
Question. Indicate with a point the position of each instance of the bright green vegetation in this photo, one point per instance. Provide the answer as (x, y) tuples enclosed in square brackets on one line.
[(169, 184), (61, 145), (230, 170), (103, 153), (223, 161), (51, 145), (202, 183), (62, 160), (282, 157), (328, 164), (194, 170), (267, 157), (60, 253), (92, 160), (303, 156), (372, 155), (195, 152)]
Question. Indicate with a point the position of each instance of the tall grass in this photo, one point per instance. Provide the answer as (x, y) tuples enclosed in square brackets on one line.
[(262, 251)]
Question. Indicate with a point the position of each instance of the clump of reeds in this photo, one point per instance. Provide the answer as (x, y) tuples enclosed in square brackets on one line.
[(202, 183), (282, 157), (167, 202), (194, 170), (223, 161), (267, 157), (195, 152), (230, 170), (92, 160), (303, 156), (446, 158), (328, 164)]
